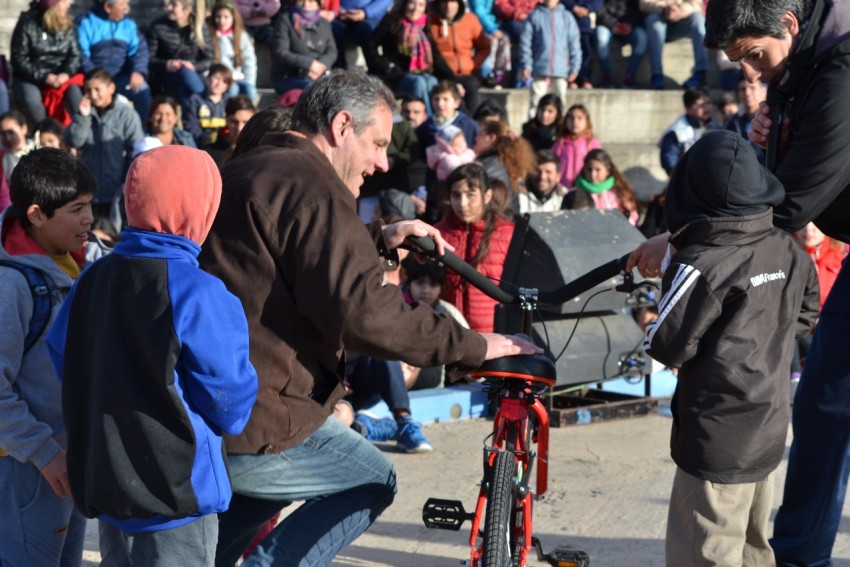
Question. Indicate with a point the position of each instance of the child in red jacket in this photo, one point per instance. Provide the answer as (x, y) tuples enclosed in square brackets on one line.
[(480, 236)]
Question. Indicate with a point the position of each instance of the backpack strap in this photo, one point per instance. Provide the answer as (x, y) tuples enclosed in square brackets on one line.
[(40, 301)]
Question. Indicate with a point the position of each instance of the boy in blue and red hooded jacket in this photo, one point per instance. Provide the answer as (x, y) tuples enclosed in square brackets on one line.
[(153, 355)]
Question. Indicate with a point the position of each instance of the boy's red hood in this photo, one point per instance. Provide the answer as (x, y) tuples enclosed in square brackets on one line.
[(173, 190)]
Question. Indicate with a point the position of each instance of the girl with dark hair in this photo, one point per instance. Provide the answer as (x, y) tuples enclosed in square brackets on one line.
[(600, 185), (232, 46), (542, 130), (480, 236)]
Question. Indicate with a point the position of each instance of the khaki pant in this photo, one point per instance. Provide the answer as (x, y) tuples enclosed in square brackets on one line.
[(719, 524), (544, 85)]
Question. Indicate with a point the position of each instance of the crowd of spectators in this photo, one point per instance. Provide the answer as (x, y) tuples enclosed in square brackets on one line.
[(105, 89)]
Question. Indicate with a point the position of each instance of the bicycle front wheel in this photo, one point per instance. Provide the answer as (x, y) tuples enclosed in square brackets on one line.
[(500, 504)]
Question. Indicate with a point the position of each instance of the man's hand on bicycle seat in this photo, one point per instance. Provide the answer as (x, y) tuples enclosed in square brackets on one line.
[(508, 345)]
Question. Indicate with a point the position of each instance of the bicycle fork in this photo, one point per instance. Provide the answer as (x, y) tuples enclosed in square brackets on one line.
[(511, 433)]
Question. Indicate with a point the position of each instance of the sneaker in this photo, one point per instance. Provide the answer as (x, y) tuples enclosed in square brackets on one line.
[(657, 82), (630, 82), (377, 428), (410, 438), (695, 80)]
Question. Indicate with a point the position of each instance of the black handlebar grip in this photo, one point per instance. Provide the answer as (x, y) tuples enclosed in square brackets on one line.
[(465, 271)]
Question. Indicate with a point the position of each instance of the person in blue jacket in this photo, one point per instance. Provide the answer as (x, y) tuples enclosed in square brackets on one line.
[(112, 41), (153, 356), (585, 13)]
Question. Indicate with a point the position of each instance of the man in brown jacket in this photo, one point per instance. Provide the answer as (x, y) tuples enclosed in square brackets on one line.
[(288, 242)]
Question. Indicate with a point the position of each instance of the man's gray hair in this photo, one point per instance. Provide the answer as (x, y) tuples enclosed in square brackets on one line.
[(354, 91)]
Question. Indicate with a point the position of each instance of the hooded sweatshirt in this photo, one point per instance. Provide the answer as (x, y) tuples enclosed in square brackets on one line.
[(156, 373), (735, 295), (31, 429)]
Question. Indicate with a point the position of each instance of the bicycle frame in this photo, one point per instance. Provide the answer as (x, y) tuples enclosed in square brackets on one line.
[(513, 432)]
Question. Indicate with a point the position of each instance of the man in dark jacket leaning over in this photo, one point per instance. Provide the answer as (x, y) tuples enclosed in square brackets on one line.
[(288, 242)]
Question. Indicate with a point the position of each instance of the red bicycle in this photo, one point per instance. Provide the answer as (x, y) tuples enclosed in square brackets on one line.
[(501, 533)]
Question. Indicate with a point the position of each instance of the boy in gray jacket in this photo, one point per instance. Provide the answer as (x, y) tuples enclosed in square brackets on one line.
[(43, 235), (105, 130)]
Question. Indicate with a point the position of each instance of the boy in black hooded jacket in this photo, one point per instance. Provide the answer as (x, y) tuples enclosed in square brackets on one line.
[(735, 294)]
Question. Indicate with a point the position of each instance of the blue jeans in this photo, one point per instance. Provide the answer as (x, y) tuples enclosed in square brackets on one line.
[(287, 84), (351, 34), (243, 88), (514, 30), (345, 481), (637, 39), (183, 83), (189, 544), (819, 462), (38, 528), (659, 31), (373, 380), (586, 39), (418, 84)]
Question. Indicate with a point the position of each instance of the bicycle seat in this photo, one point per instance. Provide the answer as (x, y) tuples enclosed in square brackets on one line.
[(530, 367)]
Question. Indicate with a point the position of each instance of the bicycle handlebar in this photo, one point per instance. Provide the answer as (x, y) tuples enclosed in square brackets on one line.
[(556, 297)]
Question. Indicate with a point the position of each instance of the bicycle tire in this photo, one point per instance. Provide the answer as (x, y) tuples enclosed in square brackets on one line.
[(500, 504)]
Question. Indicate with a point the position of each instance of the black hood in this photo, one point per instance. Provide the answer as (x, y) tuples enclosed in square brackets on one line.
[(719, 176)]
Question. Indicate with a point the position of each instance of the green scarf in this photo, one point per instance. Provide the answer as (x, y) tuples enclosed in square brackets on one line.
[(601, 187)]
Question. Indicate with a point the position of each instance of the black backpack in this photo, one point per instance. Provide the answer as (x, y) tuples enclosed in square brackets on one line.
[(40, 301)]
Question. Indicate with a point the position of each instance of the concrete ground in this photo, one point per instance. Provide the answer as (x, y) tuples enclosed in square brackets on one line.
[(609, 486)]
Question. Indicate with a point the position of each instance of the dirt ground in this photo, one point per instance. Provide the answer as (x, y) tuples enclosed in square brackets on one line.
[(609, 485)]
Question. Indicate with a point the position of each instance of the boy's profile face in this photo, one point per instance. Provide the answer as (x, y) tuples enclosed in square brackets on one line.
[(100, 92), (14, 135), (67, 230), (217, 84), (425, 290), (445, 104)]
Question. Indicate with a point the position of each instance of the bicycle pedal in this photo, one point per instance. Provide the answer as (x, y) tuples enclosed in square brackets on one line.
[(566, 557), (444, 514)]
